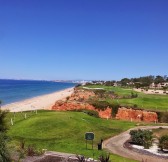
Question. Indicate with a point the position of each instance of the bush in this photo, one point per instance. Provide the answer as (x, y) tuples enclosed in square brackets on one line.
[(162, 117), (4, 155), (163, 142), (101, 105), (105, 158), (135, 106), (115, 108), (134, 95), (100, 92), (91, 113), (142, 137)]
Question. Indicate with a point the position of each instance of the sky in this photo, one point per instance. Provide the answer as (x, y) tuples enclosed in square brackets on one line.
[(83, 39)]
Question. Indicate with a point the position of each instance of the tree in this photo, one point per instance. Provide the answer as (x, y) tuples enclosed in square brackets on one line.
[(109, 83), (163, 142), (4, 155), (164, 89), (159, 79), (124, 81)]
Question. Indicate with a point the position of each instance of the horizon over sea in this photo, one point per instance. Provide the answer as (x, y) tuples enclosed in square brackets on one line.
[(18, 90)]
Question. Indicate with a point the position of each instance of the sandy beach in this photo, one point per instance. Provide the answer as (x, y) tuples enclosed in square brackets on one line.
[(39, 102)]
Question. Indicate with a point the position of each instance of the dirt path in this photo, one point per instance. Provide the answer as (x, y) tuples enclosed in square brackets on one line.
[(115, 145)]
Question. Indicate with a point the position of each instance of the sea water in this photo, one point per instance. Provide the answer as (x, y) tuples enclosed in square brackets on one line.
[(17, 90)]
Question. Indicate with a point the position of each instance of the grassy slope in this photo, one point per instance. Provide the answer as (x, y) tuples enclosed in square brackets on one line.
[(145, 101), (64, 131)]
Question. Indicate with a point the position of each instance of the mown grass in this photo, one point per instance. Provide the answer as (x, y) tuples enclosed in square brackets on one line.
[(64, 131), (145, 101)]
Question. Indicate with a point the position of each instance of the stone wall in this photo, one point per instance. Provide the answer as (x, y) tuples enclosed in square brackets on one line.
[(136, 115)]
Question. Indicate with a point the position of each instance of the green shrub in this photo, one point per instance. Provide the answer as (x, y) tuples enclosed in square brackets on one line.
[(135, 106), (91, 113), (142, 137), (101, 105), (105, 158), (4, 155), (115, 108), (163, 142), (134, 95), (162, 117), (100, 92)]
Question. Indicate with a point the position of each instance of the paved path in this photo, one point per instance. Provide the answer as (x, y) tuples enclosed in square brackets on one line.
[(115, 145)]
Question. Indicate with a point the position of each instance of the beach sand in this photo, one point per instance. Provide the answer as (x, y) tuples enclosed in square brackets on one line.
[(39, 102)]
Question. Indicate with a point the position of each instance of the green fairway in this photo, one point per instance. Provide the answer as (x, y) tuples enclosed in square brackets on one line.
[(145, 101), (64, 131)]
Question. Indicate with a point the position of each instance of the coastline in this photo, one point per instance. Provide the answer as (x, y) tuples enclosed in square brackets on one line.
[(39, 102)]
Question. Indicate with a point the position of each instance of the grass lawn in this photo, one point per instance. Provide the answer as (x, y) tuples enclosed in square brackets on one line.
[(64, 131), (145, 101)]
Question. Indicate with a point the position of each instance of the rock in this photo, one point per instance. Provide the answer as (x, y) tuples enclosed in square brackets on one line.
[(74, 105), (81, 95), (136, 115)]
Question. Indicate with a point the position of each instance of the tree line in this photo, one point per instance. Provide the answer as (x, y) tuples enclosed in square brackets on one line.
[(144, 81)]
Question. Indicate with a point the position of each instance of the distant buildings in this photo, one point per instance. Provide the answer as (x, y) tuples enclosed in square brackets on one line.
[(159, 85)]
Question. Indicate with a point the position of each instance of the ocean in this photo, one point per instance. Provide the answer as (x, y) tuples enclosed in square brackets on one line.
[(17, 90)]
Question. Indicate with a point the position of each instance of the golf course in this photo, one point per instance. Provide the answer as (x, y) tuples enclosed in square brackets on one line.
[(64, 132), (153, 102)]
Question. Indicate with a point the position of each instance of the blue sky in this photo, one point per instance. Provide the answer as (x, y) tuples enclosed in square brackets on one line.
[(83, 39)]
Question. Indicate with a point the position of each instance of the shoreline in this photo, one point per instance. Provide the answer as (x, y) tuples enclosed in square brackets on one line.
[(38, 102)]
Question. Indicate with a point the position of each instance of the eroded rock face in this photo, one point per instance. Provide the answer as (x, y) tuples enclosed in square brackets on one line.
[(136, 115), (78, 101), (81, 95), (150, 116), (106, 113), (74, 105)]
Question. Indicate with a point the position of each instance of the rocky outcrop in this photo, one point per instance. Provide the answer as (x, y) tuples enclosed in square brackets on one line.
[(71, 105), (136, 115), (74, 105), (106, 113), (150, 116), (81, 95), (79, 101)]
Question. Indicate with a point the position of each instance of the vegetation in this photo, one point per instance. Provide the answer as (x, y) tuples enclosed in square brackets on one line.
[(63, 131), (153, 102), (105, 158), (163, 142), (140, 82), (101, 105), (4, 155), (163, 117), (142, 137), (91, 113)]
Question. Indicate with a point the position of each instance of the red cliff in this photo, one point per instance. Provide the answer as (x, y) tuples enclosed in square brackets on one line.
[(73, 105), (136, 115)]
